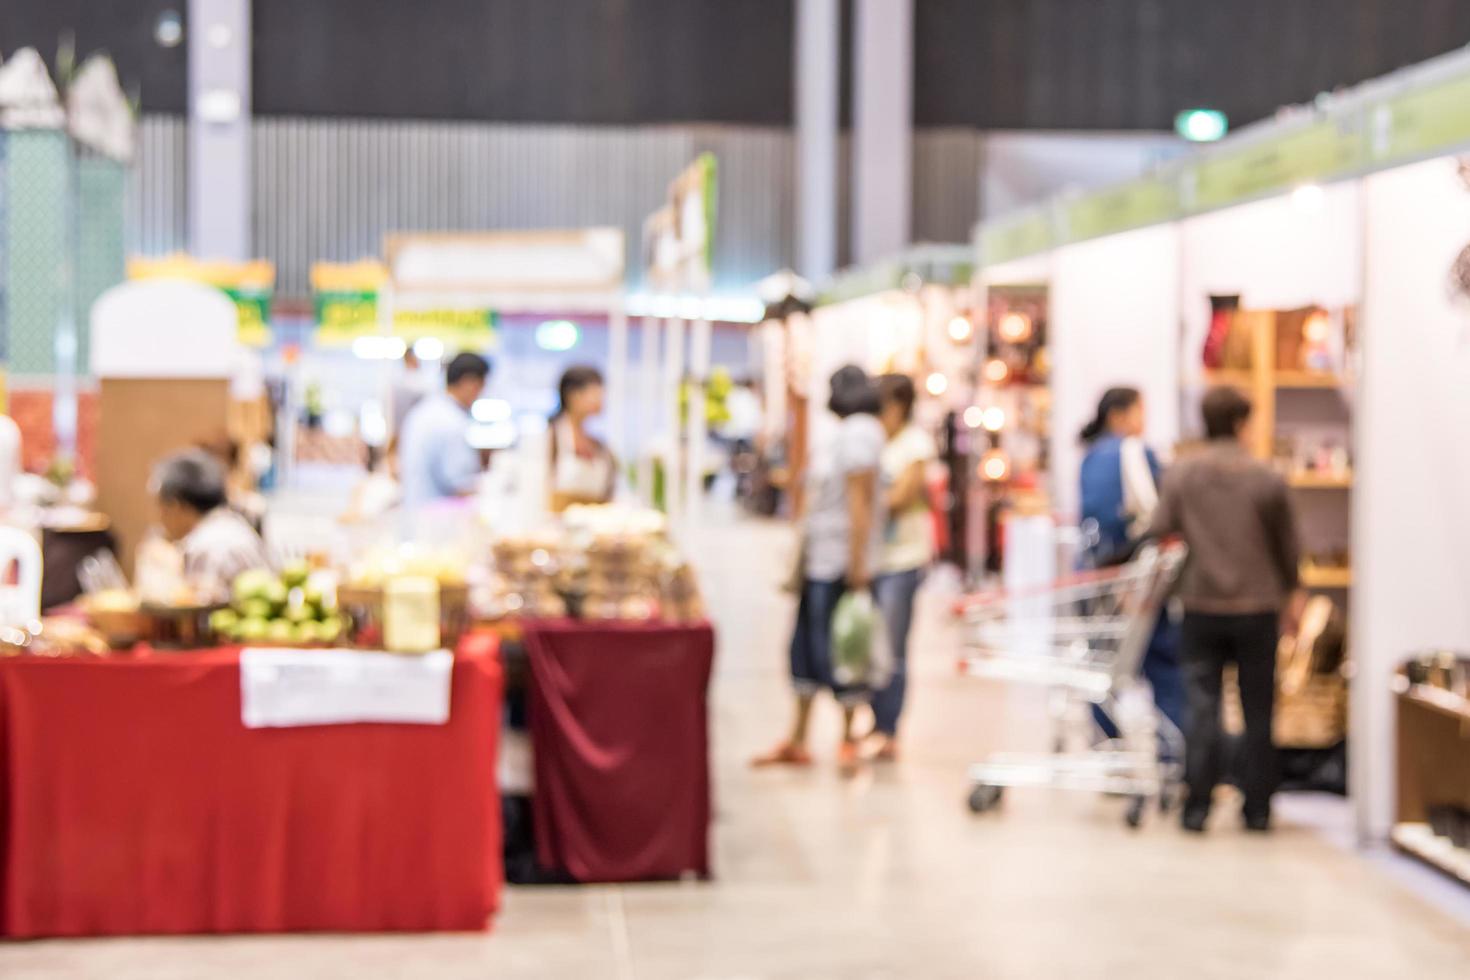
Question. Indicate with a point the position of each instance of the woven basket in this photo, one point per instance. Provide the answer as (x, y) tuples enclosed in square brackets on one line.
[(1311, 716)]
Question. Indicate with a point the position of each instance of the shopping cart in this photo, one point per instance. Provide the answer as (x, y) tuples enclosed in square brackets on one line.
[(1083, 638)]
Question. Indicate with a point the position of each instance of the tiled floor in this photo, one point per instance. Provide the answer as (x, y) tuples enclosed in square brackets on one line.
[(886, 875)]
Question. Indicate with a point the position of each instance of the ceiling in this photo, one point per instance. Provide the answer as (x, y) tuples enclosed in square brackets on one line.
[(1014, 64)]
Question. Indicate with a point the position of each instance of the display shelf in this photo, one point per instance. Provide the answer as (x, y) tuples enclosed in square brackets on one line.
[(1439, 700), (1308, 379), (1285, 380), (1230, 379), (1308, 480), (1417, 839), (1326, 577)]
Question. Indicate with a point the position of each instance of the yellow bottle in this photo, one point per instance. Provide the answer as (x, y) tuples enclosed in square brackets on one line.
[(411, 614)]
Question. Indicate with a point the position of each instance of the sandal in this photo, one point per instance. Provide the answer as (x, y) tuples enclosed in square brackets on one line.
[(849, 757), (785, 754)]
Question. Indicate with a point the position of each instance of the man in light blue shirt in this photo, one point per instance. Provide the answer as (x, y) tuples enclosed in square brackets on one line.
[(436, 460)]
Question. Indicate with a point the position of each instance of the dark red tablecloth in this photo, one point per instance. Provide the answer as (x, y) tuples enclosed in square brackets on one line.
[(135, 801), (620, 734)]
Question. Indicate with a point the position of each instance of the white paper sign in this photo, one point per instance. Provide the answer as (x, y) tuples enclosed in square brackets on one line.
[(291, 688)]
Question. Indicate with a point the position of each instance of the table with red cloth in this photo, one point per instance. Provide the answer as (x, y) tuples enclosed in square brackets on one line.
[(136, 802), (620, 737)]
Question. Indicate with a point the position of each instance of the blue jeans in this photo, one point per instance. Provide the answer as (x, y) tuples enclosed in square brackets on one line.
[(1162, 671), (811, 643), (895, 596)]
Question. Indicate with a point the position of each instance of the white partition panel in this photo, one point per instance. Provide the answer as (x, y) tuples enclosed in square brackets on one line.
[(1114, 321), (1411, 525), (1279, 254)]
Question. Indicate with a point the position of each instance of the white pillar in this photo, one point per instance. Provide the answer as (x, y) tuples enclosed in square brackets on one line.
[(650, 402), (699, 357), (818, 52), (882, 130), (219, 43), (674, 429), (617, 380)]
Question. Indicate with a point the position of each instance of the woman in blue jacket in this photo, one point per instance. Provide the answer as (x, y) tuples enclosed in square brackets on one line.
[(1120, 480)]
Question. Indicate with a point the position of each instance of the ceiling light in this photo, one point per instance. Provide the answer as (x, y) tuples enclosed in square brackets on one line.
[(993, 418), (996, 370), (168, 30), (558, 335), (1015, 328), (936, 384), (961, 329), (995, 466), (974, 416), (1201, 125)]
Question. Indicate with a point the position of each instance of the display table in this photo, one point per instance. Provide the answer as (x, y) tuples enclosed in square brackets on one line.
[(620, 734), (135, 802)]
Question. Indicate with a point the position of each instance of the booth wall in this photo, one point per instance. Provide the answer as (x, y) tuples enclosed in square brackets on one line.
[(1114, 321), (1282, 253), (1411, 526)]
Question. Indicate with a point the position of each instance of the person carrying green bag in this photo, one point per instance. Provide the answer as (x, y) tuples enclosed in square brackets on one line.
[(842, 537)]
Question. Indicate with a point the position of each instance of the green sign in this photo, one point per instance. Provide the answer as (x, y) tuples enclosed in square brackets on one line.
[(253, 306), (344, 315), (1423, 123), (1316, 152), (1016, 236), (1133, 205), (468, 329)]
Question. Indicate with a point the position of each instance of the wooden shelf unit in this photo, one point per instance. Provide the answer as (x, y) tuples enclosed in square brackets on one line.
[(1325, 578), (1320, 481), (1263, 382), (1433, 767)]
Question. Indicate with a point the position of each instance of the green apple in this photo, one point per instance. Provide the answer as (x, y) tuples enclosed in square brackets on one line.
[(294, 574), (252, 629), (223, 621), (252, 584)]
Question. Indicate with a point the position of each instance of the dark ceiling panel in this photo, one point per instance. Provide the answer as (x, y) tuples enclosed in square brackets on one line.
[(569, 61), (999, 64), (1132, 64)]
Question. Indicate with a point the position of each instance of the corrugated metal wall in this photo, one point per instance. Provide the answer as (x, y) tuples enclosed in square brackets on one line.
[(157, 215), (331, 188)]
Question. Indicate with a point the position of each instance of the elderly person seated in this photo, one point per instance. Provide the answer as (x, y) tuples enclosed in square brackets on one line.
[(216, 543)]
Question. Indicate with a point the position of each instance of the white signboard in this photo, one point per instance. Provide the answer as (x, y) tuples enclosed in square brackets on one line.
[(292, 688)]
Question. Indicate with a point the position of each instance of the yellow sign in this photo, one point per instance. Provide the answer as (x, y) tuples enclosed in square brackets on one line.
[(248, 284)]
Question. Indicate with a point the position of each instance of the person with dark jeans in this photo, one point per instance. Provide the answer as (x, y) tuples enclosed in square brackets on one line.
[(1118, 486), (1235, 515), (908, 546)]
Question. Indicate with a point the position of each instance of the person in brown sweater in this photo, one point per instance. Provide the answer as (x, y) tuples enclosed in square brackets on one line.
[(1235, 515)]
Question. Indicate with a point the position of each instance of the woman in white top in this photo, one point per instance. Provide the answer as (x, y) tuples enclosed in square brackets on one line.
[(841, 547), (583, 470), (908, 545)]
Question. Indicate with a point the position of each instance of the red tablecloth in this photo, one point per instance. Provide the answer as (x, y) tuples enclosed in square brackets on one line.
[(620, 734), (135, 801)]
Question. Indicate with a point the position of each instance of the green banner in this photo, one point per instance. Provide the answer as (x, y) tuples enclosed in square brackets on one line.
[(1423, 123), (464, 329), (1016, 236), (1316, 152), (253, 307), (344, 315), (1133, 205)]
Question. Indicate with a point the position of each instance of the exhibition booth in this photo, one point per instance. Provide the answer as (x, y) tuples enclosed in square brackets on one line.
[(1319, 263), (912, 314)]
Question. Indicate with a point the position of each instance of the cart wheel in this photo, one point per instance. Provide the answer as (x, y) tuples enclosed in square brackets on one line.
[(985, 797), (1136, 806)]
